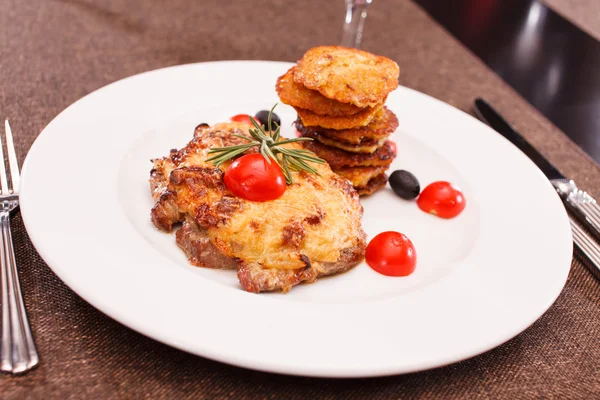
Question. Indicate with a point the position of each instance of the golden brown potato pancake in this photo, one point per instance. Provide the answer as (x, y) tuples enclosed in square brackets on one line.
[(337, 158), (373, 185), (367, 146), (357, 120), (360, 176), (358, 140), (297, 95), (347, 75), (380, 127)]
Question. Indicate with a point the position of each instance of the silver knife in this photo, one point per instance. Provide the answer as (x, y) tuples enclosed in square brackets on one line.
[(579, 203)]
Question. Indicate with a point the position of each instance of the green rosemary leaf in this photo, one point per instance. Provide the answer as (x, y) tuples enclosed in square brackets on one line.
[(286, 170), (260, 131), (301, 165), (218, 160), (263, 151), (254, 135), (277, 134), (271, 148), (270, 118), (294, 140), (270, 154), (243, 137), (310, 158), (229, 148), (264, 137), (256, 124), (295, 165), (301, 156)]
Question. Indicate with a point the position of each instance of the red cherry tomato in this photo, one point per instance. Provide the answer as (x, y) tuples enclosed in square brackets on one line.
[(442, 199), (392, 254), (243, 118), (251, 177), (394, 147)]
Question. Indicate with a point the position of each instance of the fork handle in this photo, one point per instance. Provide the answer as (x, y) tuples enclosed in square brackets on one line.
[(588, 248), (588, 215), (17, 352)]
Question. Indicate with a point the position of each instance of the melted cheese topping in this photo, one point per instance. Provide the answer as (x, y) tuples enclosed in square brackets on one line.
[(256, 234), (317, 217)]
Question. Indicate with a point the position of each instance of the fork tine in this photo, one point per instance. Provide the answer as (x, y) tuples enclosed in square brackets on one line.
[(4, 190), (12, 158)]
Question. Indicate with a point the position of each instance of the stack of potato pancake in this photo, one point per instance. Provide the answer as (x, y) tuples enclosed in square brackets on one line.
[(339, 95)]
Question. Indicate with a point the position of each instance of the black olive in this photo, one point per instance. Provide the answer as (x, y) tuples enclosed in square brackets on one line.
[(263, 117), (202, 125), (404, 184)]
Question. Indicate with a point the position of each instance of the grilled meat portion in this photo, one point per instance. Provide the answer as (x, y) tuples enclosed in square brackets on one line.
[(196, 244), (312, 230)]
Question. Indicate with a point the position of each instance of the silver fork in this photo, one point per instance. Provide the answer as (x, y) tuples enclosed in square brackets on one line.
[(586, 245), (17, 348)]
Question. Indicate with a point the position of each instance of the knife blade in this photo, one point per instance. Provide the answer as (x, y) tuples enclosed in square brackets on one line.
[(583, 206)]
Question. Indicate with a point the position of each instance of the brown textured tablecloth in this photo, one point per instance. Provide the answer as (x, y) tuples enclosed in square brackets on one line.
[(53, 52)]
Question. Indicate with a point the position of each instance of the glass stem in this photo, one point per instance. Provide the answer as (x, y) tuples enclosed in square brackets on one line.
[(356, 13)]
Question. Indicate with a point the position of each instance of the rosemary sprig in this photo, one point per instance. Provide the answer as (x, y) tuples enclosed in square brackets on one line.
[(270, 146)]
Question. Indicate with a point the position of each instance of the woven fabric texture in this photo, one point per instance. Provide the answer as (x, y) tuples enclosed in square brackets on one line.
[(53, 52)]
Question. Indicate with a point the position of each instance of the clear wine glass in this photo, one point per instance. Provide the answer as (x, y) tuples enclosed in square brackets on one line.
[(356, 13)]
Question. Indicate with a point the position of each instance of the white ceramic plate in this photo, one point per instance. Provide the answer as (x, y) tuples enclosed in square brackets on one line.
[(481, 278)]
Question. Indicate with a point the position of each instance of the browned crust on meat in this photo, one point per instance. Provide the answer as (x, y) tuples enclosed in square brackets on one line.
[(200, 251), (158, 180), (256, 279), (373, 185), (186, 193), (357, 120), (337, 158), (316, 218), (360, 176), (312, 179), (222, 132), (297, 95), (347, 75), (217, 212), (293, 234), (380, 127), (165, 212), (220, 135), (346, 186), (349, 258)]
